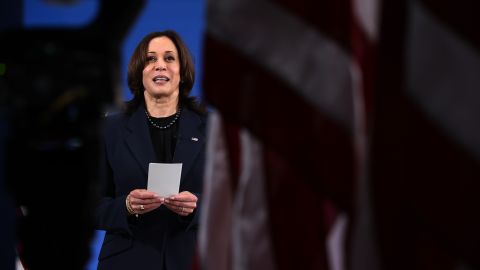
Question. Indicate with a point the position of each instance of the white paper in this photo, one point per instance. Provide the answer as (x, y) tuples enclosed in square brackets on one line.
[(164, 178)]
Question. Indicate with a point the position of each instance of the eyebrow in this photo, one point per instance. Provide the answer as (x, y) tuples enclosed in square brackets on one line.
[(165, 51)]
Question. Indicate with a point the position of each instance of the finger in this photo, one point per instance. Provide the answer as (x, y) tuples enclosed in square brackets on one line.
[(184, 211), (180, 210), (139, 208), (138, 200), (142, 206), (143, 194), (142, 209), (185, 197), (182, 204), (188, 210), (145, 201)]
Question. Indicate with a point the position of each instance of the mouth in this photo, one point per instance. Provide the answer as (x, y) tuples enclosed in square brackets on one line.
[(160, 79)]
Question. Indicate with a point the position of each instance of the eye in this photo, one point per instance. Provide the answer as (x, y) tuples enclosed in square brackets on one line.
[(169, 58), (151, 59)]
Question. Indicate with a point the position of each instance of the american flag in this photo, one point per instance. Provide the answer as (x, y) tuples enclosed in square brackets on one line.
[(343, 135)]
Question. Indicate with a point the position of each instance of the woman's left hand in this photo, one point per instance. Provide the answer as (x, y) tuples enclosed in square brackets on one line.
[(183, 203)]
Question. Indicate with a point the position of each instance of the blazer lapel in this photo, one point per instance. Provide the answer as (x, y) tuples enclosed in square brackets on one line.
[(190, 140), (138, 139)]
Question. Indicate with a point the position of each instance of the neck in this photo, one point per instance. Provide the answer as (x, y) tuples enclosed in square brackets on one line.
[(161, 107)]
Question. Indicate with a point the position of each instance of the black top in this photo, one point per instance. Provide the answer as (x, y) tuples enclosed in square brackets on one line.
[(164, 140)]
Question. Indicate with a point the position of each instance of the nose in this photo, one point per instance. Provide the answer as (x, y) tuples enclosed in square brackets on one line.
[(160, 65)]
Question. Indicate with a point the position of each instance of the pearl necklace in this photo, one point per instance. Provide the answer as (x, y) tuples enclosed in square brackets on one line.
[(177, 114)]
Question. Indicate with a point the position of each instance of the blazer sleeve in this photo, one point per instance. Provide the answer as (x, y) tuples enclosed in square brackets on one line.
[(111, 213)]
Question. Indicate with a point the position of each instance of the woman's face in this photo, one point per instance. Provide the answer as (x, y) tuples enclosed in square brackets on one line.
[(161, 75)]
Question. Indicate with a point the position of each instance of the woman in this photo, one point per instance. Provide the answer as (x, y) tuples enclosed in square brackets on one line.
[(160, 124)]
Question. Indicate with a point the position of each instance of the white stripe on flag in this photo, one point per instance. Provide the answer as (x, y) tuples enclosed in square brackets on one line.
[(451, 97), (367, 15), (335, 243), (215, 236), (259, 29), (252, 248)]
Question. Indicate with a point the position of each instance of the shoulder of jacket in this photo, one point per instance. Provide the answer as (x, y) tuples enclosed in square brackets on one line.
[(113, 118)]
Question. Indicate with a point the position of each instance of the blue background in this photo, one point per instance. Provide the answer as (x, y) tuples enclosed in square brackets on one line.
[(184, 16)]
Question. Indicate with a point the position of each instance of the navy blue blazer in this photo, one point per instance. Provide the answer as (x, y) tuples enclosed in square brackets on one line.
[(159, 238)]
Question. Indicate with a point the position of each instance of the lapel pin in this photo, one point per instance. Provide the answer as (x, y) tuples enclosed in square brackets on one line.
[(194, 139)]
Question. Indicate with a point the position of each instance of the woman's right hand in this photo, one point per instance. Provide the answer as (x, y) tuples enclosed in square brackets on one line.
[(143, 201)]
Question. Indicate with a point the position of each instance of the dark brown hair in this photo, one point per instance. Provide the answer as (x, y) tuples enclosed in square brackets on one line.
[(187, 71)]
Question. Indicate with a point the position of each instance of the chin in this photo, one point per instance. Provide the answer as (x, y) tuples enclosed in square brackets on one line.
[(161, 93)]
